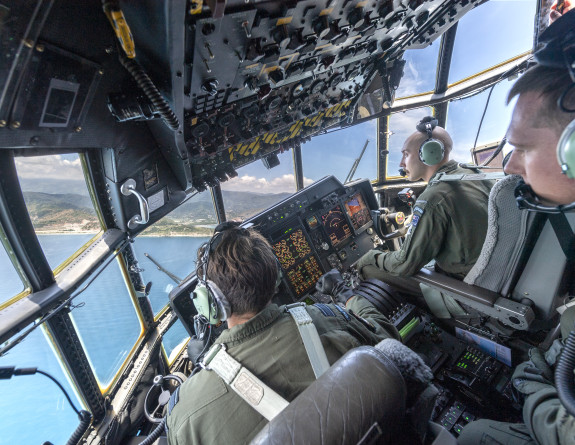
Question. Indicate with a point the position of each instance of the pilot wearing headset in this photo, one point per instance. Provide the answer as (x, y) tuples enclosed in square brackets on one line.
[(238, 276), (542, 131), (449, 219)]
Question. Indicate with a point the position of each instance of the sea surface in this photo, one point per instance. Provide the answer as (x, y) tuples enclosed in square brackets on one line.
[(33, 410)]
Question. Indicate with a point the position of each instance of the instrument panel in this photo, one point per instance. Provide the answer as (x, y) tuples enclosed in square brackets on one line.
[(324, 226)]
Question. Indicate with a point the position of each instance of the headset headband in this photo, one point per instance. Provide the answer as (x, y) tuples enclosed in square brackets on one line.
[(427, 125)]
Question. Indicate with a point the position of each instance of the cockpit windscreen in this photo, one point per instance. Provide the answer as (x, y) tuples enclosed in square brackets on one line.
[(357, 211), (336, 225), (300, 265)]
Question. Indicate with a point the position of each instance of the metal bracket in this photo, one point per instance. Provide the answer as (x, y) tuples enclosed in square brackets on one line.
[(129, 188)]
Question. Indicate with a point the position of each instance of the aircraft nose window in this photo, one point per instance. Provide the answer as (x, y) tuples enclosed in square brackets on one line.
[(401, 126), (335, 153), (260, 185)]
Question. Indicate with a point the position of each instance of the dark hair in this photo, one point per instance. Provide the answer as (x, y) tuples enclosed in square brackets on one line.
[(550, 84), (243, 266)]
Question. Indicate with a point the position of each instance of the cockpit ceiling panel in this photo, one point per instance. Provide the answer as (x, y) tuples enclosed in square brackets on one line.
[(264, 77), (235, 81)]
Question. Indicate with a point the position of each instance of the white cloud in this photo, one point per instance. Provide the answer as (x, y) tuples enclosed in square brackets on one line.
[(49, 167), (411, 82), (247, 183)]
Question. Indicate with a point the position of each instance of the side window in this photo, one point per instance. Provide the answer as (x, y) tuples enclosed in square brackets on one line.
[(34, 409), (334, 153), (10, 282), (107, 322), (401, 126), (59, 204), (464, 117)]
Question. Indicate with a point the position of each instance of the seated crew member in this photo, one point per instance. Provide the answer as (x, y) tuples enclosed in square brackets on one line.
[(263, 338), (449, 218), (537, 124)]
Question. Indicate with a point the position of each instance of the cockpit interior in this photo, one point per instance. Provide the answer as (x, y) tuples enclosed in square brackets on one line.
[(125, 129)]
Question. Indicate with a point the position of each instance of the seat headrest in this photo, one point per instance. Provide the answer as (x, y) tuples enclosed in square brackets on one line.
[(363, 387)]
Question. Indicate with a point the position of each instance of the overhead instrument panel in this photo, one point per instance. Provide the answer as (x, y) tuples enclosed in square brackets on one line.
[(265, 76), (215, 84)]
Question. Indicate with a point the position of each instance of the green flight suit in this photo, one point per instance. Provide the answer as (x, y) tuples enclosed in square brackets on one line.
[(270, 346), (546, 420), (449, 225)]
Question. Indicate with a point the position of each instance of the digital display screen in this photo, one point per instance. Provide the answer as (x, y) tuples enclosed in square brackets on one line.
[(304, 275), (294, 255), (336, 225), (357, 211), (291, 249), (312, 222)]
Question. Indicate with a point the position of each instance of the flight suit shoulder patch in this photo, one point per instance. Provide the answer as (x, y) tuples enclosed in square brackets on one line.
[(417, 213), (325, 309), (174, 399)]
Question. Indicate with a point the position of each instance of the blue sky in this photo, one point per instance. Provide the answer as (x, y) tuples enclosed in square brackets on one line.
[(487, 35)]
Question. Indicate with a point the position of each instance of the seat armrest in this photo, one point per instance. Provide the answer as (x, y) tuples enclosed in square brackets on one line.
[(507, 311), (452, 285)]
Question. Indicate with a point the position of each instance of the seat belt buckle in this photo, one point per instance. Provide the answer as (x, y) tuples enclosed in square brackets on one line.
[(299, 314), (294, 305)]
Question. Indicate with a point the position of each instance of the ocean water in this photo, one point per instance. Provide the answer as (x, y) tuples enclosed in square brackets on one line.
[(32, 408)]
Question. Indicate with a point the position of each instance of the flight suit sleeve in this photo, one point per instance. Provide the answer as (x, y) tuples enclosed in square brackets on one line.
[(422, 243), (379, 327), (547, 419)]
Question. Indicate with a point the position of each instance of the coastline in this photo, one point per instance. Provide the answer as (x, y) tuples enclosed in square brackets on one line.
[(143, 235)]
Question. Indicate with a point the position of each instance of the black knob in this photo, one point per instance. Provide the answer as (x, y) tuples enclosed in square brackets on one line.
[(210, 87), (296, 41), (356, 17), (276, 75), (321, 26), (254, 51), (251, 83), (280, 36)]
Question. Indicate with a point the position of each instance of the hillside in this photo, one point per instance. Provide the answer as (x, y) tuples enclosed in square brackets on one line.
[(71, 212)]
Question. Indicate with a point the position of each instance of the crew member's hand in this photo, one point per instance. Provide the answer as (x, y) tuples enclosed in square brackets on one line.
[(369, 259), (533, 375), (331, 283)]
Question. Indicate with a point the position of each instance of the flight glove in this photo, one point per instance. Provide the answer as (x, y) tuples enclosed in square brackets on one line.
[(331, 283), (533, 375), (372, 258)]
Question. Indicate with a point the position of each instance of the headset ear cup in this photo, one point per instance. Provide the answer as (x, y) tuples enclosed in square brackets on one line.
[(431, 152), (224, 309), (566, 151), (201, 299)]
